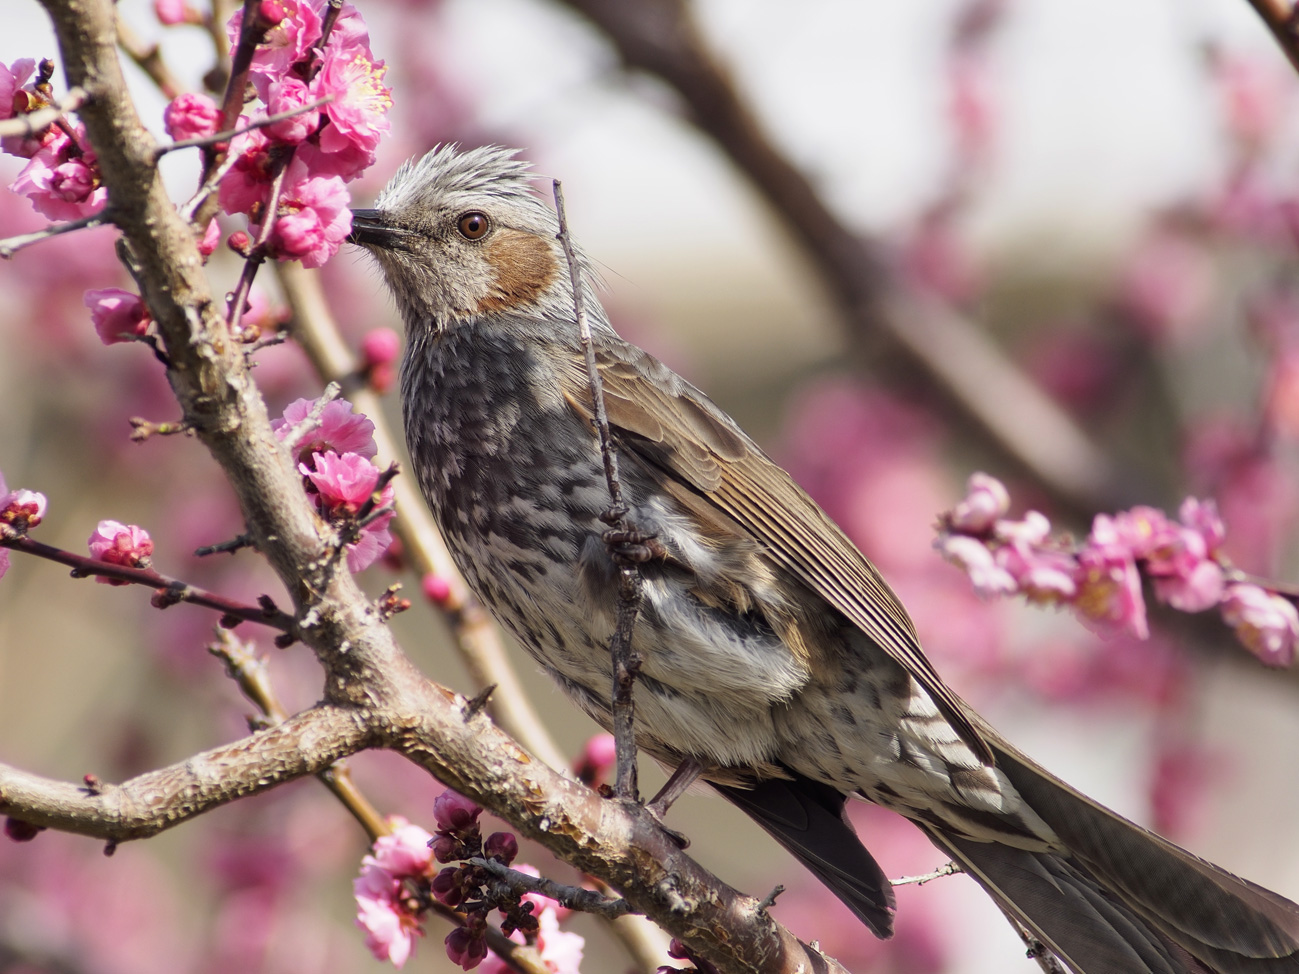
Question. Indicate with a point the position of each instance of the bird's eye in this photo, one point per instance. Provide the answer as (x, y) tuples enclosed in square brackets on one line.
[(473, 225)]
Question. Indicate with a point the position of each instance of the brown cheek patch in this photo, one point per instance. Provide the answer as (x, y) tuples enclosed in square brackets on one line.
[(524, 266)]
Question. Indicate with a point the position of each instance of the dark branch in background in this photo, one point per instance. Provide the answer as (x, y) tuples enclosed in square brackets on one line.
[(167, 591), (980, 388), (1282, 20), (11, 245), (626, 662)]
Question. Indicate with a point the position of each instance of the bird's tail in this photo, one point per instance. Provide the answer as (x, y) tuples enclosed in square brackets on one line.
[(1124, 900)]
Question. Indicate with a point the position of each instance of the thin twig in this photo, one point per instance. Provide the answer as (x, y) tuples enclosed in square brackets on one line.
[(43, 118), (950, 869), (148, 57), (168, 591), (203, 141), (573, 897), (626, 662), (11, 245)]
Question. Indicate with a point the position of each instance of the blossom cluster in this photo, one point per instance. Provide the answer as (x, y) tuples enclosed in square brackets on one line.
[(335, 452), (1101, 578), (61, 178), (293, 171), (397, 880), (20, 510)]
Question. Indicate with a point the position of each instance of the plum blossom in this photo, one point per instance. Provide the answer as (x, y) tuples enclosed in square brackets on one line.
[(345, 483), (359, 112), (192, 116), (12, 79), (436, 588), (339, 429), (20, 510), (288, 41), (1267, 624), (118, 315), (384, 910), (62, 180), (286, 95), (986, 499), (120, 544), (976, 559), (313, 218)]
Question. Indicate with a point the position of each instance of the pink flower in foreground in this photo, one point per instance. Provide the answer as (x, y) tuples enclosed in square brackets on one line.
[(358, 114), (382, 912), (1267, 624), (11, 81), (248, 182), (285, 95), (345, 482), (339, 429), (120, 544), (286, 43), (986, 500), (118, 315), (21, 510), (375, 538), (192, 116), (313, 218), (60, 182)]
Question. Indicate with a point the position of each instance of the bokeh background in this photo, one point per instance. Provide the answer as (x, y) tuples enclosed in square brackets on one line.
[(1105, 192)]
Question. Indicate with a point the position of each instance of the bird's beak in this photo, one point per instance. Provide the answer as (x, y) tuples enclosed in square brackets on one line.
[(370, 229)]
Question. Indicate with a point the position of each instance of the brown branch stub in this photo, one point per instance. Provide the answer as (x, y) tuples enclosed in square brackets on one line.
[(1282, 19)]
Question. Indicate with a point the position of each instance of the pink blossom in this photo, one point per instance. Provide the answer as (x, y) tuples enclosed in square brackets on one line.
[(345, 482), (11, 81), (248, 182), (120, 544), (359, 112), (937, 260), (192, 116), (597, 760), (1177, 556), (985, 500), (1203, 518), (21, 510), (118, 315), (454, 812), (61, 182), (1254, 91), (285, 95), (379, 350), (1267, 624), (405, 851), (288, 42), (974, 557), (1109, 585), (381, 911), (313, 218), (339, 428), (1043, 576)]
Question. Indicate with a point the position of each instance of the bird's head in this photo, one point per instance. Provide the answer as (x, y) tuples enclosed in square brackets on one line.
[(461, 235)]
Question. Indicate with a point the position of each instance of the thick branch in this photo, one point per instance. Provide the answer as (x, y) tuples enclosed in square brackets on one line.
[(1283, 21), (305, 744)]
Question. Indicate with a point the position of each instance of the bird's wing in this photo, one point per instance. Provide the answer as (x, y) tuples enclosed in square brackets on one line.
[(735, 489)]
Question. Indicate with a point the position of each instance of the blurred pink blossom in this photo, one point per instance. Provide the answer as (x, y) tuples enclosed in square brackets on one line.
[(1109, 585), (380, 349), (1267, 624), (1255, 92), (1166, 285), (172, 12), (404, 851), (986, 499), (597, 760), (381, 911), (436, 588), (975, 558), (192, 116), (12, 78), (118, 315)]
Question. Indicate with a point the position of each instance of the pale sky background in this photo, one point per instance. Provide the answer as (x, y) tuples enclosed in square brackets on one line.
[(1104, 112)]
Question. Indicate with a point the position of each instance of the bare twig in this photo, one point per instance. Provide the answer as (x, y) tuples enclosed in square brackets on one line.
[(148, 57), (949, 869), (210, 140), (43, 118), (573, 897), (11, 245), (626, 662), (168, 591)]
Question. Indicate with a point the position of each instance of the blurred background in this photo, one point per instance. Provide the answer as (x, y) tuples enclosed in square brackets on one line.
[(1098, 198)]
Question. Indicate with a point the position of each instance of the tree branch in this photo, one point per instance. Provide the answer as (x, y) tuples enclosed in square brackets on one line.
[(1283, 21)]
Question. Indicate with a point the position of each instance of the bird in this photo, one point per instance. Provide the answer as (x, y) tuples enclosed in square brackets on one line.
[(776, 661)]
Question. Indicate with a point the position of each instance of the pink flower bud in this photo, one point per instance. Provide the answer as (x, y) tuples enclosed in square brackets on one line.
[(120, 544), (171, 12), (20, 831), (21, 510), (446, 848), (380, 347), (597, 760), (502, 846), (436, 589), (239, 242), (192, 116), (454, 812), (118, 315), (446, 887), (211, 238)]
